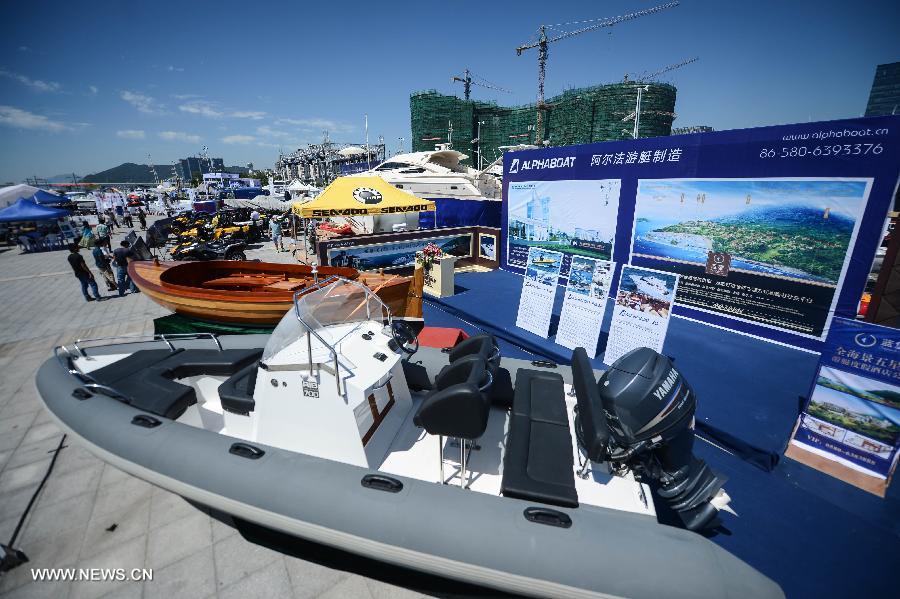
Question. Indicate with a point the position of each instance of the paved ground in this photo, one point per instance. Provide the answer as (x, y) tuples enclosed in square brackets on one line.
[(91, 515)]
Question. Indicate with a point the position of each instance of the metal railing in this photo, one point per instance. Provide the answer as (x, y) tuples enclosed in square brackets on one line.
[(72, 369), (310, 330)]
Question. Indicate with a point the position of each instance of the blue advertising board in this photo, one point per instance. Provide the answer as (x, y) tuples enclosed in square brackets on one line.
[(853, 412), (772, 230)]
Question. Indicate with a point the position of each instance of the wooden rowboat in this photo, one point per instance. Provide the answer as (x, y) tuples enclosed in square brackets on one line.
[(255, 293)]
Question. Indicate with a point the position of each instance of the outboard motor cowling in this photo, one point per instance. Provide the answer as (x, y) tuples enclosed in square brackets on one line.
[(650, 410)]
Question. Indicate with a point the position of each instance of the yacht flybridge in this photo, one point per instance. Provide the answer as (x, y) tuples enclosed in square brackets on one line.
[(438, 174), (531, 478)]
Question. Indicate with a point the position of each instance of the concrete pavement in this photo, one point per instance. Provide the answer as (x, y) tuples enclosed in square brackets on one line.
[(91, 515)]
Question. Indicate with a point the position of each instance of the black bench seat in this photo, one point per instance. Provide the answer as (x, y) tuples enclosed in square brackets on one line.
[(145, 378), (538, 464)]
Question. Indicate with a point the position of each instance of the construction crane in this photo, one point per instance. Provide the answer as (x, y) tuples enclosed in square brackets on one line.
[(641, 88), (543, 42), (663, 70), (153, 168), (468, 82)]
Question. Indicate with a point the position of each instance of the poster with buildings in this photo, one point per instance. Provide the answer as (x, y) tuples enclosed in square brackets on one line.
[(584, 303), (768, 251), (577, 218), (850, 427), (396, 254)]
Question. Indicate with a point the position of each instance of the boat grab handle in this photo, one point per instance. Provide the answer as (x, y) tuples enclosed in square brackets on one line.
[(543, 363), (146, 421), (384, 384), (488, 381), (379, 482), (542, 515), (245, 450)]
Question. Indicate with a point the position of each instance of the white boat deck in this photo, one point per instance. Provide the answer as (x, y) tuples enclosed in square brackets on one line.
[(414, 453)]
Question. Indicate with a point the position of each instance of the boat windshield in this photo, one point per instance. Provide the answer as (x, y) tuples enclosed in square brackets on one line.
[(322, 310)]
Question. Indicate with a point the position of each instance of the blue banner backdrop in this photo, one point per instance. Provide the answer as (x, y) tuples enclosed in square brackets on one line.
[(772, 229)]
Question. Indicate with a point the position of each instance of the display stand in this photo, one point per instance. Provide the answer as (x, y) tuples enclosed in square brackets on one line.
[(439, 277)]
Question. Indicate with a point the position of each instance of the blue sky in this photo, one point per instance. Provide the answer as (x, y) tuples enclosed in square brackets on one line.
[(87, 85)]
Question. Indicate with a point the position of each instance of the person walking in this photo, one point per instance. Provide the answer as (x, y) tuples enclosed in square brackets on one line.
[(103, 261), (142, 217), (83, 273), (87, 235), (126, 218), (121, 255), (275, 232), (103, 234), (111, 219)]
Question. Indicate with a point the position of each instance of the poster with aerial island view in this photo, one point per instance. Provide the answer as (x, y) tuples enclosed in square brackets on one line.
[(787, 243)]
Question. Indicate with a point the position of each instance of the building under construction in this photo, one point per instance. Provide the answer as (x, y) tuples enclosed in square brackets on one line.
[(577, 116)]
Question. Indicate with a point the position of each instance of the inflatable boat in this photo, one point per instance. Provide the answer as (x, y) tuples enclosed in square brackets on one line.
[(528, 477)]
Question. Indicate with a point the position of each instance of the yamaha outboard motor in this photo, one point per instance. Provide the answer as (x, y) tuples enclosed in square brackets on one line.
[(650, 409)]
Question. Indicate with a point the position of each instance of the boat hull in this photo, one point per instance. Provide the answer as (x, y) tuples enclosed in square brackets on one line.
[(438, 529), (166, 284)]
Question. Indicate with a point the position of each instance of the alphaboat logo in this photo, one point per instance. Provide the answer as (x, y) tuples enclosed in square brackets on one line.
[(514, 167), (542, 163), (367, 195)]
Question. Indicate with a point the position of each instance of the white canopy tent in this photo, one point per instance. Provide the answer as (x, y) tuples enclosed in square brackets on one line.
[(9, 195)]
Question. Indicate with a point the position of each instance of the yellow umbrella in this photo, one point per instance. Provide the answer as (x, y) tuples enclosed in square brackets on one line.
[(359, 196)]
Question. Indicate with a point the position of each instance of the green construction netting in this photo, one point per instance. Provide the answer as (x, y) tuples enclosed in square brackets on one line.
[(576, 116)]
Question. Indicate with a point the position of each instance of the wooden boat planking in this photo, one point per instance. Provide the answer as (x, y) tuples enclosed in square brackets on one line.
[(180, 287)]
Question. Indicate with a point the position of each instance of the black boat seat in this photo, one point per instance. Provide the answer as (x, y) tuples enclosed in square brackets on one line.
[(538, 463), (457, 406), (236, 393), (144, 379), (591, 427), (482, 345)]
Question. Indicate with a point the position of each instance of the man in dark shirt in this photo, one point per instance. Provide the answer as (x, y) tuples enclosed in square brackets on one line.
[(83, 273), (121, 255)]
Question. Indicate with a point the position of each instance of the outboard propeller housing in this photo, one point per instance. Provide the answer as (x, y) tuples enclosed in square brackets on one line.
[(650, 408)]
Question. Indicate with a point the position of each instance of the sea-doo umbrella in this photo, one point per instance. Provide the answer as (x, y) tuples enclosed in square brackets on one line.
[(358, 196), (26, 210)]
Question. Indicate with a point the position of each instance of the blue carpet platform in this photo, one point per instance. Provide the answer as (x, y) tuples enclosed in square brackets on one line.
[(815, 535)]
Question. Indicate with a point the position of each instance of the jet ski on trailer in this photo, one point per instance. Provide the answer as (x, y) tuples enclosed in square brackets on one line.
[(531, 478)]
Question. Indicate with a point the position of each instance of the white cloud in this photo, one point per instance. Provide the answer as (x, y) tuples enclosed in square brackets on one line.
[(130, 134), (202, 108), (24, 49), (253, 115), (174, 69), (213, 111), (238, 139), (94, 89), (318, 123), (22, 119), (179, 136), (269, 132), (185, 96), (35, 84), (143, 103)]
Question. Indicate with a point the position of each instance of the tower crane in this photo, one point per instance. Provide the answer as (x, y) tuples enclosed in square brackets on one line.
[(468, 82), (543, 41), (636, 115), (663, 70)]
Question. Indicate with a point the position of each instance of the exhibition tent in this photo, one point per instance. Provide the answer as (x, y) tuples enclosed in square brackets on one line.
[(260, 202), (358, 196), (45, 197), (27, 210), (10, 194)]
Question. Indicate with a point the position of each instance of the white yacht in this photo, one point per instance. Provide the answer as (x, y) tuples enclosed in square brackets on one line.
[(438, 174)]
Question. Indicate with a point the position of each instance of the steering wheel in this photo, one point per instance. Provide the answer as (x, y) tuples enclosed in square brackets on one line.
[(405, 337)]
